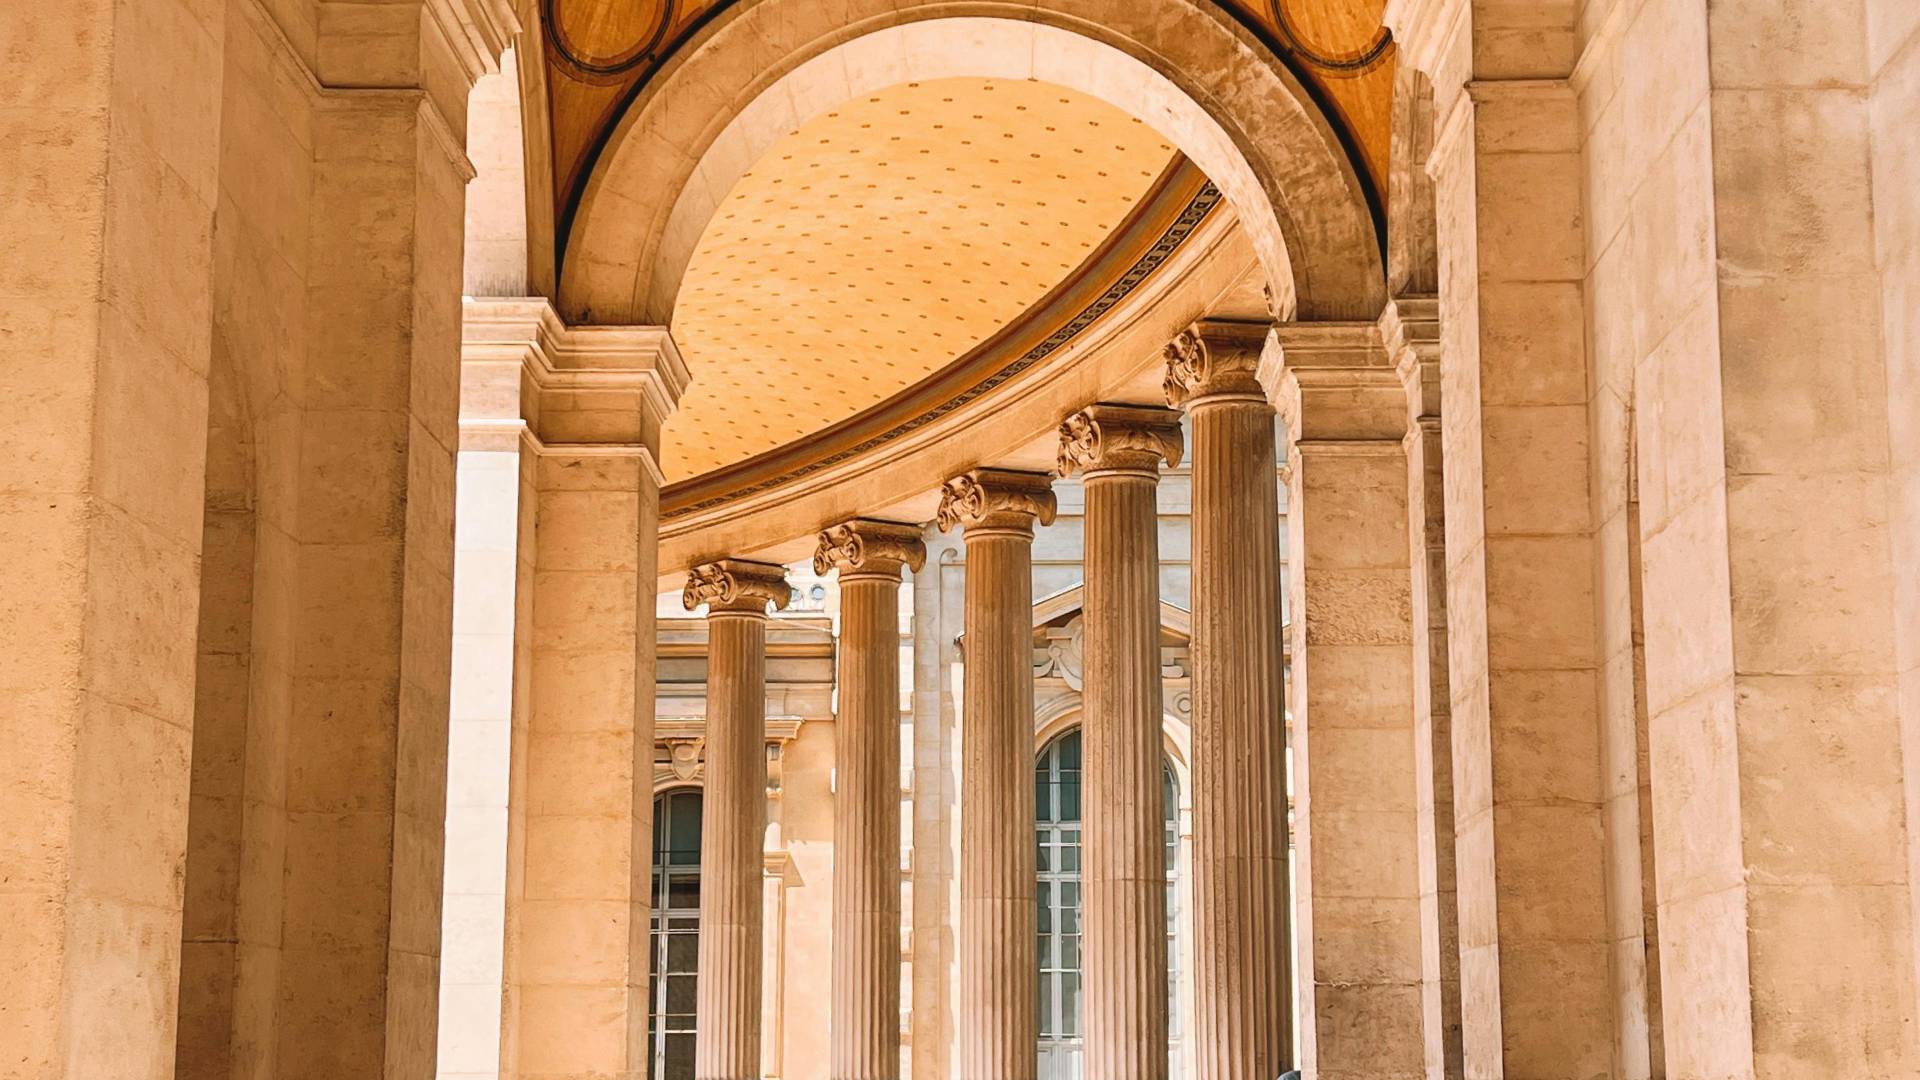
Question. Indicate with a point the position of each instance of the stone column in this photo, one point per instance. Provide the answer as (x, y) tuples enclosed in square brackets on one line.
[(997, 508), (1357, 848), (584, 406), (866, 810), (107, 195), (1243, 1016), (734, 813), (1119, 449)]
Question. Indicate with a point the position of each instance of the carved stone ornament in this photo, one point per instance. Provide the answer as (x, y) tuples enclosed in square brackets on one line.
[(1119, 438), (996, 498), (865, 547), (1215, 359), (683, 758), (737, 585)]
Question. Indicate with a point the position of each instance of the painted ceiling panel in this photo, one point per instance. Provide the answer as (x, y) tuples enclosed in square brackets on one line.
[(881, 241)]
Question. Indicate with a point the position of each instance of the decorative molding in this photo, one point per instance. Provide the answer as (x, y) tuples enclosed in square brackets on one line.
[(983, 501), (1215, 360), (1107, 438), (790, 463), (737, 586), (867, 548), (683, 743)]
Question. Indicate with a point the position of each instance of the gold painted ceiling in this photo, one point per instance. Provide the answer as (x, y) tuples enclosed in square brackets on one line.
[(599, 53), (880, 242)]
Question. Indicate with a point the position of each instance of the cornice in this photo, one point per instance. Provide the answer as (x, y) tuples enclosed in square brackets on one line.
[(984, 501), (737, 587), (299, 72), (867, 548), (477, 31), (1106, 438), (1215, 360), (592, 389), (1336, 383), (1410, 333)]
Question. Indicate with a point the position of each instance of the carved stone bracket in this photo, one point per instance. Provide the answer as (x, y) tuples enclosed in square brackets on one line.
[(863, 547), (1119, 438), (1215, 360), (985, 499), (736, 585), (685, 746)]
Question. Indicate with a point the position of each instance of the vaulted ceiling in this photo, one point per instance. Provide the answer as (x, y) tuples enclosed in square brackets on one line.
[(881, 241)]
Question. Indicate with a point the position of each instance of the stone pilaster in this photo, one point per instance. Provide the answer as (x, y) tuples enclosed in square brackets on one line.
[(1357, 851), (1118, 448), (869, 556), (1525, 568), (1243, 1014), (583, 407), (1410, 331), (997, 508), (734, 812)]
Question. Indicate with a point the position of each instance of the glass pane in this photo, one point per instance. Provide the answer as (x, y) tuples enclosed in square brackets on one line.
[(1044, 1008), (681, 994), (683, 952), (1070, 1004), (679, 1057)]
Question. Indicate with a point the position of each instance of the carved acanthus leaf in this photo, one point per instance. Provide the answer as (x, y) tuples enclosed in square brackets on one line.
[(862, 546), (1135, 438), (737, 585), (1000, 498), (1213, 358)]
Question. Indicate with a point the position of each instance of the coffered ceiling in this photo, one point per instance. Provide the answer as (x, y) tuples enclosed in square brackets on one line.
[(882, 241)]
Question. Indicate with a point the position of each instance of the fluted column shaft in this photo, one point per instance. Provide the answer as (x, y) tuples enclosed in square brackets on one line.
[(733, 816), (998, 1030), (1243, 1016), (1123, 833), (865, 1037)]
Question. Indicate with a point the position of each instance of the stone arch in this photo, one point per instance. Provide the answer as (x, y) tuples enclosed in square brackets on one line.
[(1183, 67)]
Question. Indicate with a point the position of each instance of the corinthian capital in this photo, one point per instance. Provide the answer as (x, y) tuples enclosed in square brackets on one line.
[(1130, 438), (864, 547), (996, 499), (737, 585), (1212, 358)]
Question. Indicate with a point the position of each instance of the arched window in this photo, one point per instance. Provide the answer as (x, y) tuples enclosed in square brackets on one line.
[(1057, 828), (674, 936)]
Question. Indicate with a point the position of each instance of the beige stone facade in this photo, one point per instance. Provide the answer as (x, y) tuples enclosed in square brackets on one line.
[(1375, 537)]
